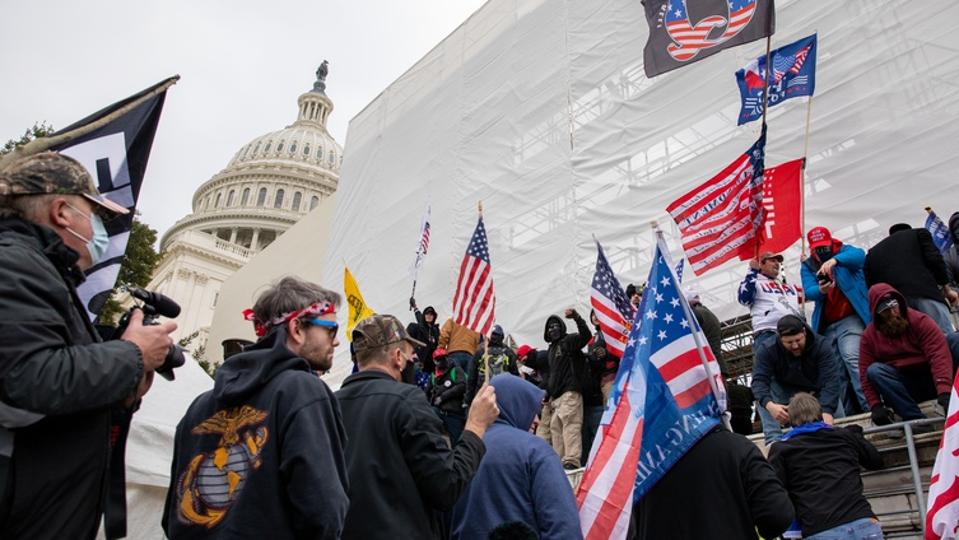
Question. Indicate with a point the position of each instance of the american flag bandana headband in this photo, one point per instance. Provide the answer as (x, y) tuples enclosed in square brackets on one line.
[(261, 328)]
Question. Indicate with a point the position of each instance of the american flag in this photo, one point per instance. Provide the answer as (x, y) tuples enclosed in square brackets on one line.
[(724, 217), (474, 302), (424, 244), (690, 38), (793, 75), (942, 515), (661, 404), (611, 305)]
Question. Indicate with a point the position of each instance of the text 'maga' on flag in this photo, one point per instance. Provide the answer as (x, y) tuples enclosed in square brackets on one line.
[(661, 404), (723, 218), (684, 31), (116, 155), (942, 512), (474, 303), (358, 308), (939, 231), (612, 307), (793, 75), (782, 199)]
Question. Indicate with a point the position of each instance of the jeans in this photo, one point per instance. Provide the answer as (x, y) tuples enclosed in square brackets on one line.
[(846, 334), (936, 309), (772, 430), (861, 529), (461, 359), (591, 418), (902, 390), (454, 424)]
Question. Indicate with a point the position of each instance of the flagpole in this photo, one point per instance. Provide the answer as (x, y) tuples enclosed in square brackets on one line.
[(687, 310), (479, 208), (769, 40), (802, 178), (44, 143)]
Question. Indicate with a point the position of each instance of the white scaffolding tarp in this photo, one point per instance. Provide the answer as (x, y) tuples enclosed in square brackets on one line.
[(541, 110)]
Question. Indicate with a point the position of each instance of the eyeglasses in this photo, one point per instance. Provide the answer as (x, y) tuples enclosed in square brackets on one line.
[(331, 326)]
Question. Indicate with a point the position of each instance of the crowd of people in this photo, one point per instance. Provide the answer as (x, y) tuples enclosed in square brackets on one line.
[(439, 432)]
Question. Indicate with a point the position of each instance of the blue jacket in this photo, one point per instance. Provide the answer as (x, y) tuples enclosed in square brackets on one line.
[(849, 278), (520, 478)]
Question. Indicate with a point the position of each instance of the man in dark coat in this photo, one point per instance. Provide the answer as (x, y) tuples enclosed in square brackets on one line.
[(66, 399), (722, 489), (909, 260), (520, 478), (820, 467), (499, 358), (403, 473), (567, 370), (424, 329), (799, 360), (262, 454)]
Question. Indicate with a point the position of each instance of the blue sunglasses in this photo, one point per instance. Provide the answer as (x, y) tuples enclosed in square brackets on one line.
[(332, 326)]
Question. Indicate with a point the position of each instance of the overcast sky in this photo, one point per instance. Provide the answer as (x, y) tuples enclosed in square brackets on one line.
[(243, 63)]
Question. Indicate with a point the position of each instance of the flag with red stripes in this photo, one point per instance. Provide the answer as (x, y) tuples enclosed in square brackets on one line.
[(474, 302), (610, 304), (942, 517), (723, 218), (662, 403)]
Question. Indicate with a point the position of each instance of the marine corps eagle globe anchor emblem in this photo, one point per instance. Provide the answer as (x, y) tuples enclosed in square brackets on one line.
[(212, 481)]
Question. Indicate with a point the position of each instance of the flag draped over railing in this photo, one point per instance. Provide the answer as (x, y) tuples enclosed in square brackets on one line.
[(723, 218), (474, 303), (668, 393)]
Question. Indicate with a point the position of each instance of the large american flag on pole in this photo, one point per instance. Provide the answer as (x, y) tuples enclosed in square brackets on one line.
[(668, 393), (474, 302), (612, 307), (724, 217)]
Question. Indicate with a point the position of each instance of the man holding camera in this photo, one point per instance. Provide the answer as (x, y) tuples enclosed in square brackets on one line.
[(65, 397), (832, 277)]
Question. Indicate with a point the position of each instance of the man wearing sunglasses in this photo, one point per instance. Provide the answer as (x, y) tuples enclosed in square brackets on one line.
[(65, 397), (262, 454)]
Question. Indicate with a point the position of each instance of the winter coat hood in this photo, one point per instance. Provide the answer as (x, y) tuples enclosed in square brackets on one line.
[(879, 290), (243, 374), (562, 326), (518, 400)]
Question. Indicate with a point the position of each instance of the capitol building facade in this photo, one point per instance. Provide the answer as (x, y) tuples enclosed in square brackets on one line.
[(271, 182)]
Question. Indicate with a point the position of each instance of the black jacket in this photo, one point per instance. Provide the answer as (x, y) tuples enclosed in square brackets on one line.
[(821, 473), (447, 391), (427, 333), (51, 362), (816, 371), (722, 489), (910, 262), (402, 470), (713, 330), (567, 363), (502, 359), (261, 455)]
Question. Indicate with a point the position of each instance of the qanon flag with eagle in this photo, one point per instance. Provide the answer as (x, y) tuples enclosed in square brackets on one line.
[(684, 31)]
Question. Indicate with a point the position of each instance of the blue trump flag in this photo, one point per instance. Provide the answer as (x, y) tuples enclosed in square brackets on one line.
[(793, 75), (939, 231), (668, 394)]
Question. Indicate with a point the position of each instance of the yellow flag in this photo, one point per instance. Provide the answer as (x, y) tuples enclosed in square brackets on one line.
[(359, 310)]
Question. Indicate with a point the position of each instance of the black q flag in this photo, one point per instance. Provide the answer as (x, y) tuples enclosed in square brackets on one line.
[(684, 31)]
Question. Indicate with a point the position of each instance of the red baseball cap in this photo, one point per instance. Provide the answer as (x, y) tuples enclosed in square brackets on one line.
[(523, 350), (819, 237)]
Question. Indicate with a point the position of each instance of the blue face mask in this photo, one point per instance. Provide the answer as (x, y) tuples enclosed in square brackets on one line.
[(96, 246)]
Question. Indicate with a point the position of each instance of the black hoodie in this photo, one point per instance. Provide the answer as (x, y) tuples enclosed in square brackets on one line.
[(260, 455), (567, 364), (951, 255)]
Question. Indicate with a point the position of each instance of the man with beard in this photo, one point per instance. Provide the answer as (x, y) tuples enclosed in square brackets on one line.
[(567, 367), (262, 454), (903, 358)]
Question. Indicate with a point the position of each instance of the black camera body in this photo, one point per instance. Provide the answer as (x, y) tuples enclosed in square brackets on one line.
[(155, 305), (823, 279)]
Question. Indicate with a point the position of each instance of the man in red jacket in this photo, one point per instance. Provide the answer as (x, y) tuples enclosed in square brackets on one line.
[(903, 358)]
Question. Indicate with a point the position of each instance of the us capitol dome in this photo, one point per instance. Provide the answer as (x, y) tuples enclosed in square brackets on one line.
[(270, 183)]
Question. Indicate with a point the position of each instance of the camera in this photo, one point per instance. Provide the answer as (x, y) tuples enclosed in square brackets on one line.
[(823, 279), (155, 305)]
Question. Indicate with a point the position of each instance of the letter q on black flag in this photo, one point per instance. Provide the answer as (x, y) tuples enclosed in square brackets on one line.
[(116, 154), (684, 31)]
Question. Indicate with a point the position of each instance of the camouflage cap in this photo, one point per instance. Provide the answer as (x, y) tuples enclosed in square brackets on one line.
[(378, 331), (53, 173)]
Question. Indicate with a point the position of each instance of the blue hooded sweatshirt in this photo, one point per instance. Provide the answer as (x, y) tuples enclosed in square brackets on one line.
[(520, 478)]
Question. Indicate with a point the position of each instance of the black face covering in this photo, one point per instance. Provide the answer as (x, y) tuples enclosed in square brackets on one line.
[(823, 253), (954, 230), (554, 332)]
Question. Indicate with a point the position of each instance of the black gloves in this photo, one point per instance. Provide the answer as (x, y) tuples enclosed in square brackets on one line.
[(412, 303), (943, 400), (881, 416)]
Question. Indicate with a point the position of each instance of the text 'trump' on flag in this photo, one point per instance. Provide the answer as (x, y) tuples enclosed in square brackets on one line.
[(723, 218)]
